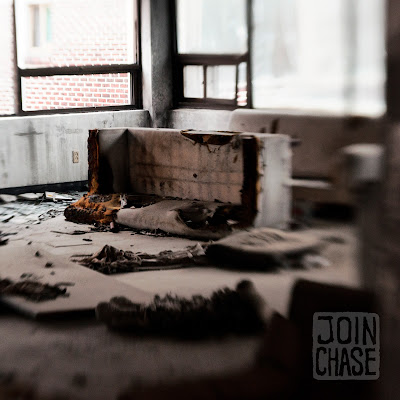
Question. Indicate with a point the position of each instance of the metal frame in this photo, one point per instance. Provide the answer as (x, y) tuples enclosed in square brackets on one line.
[(204, 60), (249, 18), (134, 70)]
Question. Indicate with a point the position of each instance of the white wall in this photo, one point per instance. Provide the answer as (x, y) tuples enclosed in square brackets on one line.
[(38, 150), (199, 119)]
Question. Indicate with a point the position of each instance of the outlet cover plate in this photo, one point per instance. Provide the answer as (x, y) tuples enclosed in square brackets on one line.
[(75, 157)]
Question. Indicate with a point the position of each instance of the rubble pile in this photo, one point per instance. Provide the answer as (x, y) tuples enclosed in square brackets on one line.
[(31, 290), (110, 260), (33, 208), (226, 311)]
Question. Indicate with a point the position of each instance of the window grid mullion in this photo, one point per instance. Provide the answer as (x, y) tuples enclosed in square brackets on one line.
[(17, 75), (236, 84), (249, 18), (204, 81)]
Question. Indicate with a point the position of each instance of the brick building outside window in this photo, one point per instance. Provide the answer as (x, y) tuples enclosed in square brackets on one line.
[(65, 34)]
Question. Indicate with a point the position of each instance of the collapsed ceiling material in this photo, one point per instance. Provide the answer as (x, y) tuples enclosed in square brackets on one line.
[(226, 311), (33, 208), (110, 260)]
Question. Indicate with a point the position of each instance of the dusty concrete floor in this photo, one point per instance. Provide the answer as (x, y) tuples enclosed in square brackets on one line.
[(82, 359)]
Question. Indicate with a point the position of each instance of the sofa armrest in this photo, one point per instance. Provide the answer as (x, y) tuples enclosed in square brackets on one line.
[(362, 164)]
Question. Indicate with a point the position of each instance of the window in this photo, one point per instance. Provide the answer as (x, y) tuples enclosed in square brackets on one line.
[(74, 54), (7, 86), (40, 25), (317, 55), (212, 53)]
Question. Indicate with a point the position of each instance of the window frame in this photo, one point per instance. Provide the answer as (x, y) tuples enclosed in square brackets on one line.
[(134, 69), (181, 60)]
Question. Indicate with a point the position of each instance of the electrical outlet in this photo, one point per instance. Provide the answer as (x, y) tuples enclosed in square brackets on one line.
[(75, 157)]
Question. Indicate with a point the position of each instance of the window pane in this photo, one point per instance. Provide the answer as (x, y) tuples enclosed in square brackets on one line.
[(193, 81), (242, 85), (221, 81), (319, 55), (75, 32), (210, 26), (75, 91), (6, 58)]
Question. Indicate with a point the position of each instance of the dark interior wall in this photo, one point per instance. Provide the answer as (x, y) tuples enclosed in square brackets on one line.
[(381, 222)]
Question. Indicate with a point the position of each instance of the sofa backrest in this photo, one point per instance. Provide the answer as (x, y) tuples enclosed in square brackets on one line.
[(172, 163), (320, 137), (167, 162)]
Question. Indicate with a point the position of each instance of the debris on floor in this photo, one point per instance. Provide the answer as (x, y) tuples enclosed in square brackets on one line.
[(3, 240), (55, 197), (110, 260), (263, 248), (226, 311), (6, 218), (30, 196), (154, 233), (32, 290), (73, 233), (7, 198), (33, 208), (149, 212)]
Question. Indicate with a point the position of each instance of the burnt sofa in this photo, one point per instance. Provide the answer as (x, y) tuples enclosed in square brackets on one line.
[(243, 178)]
